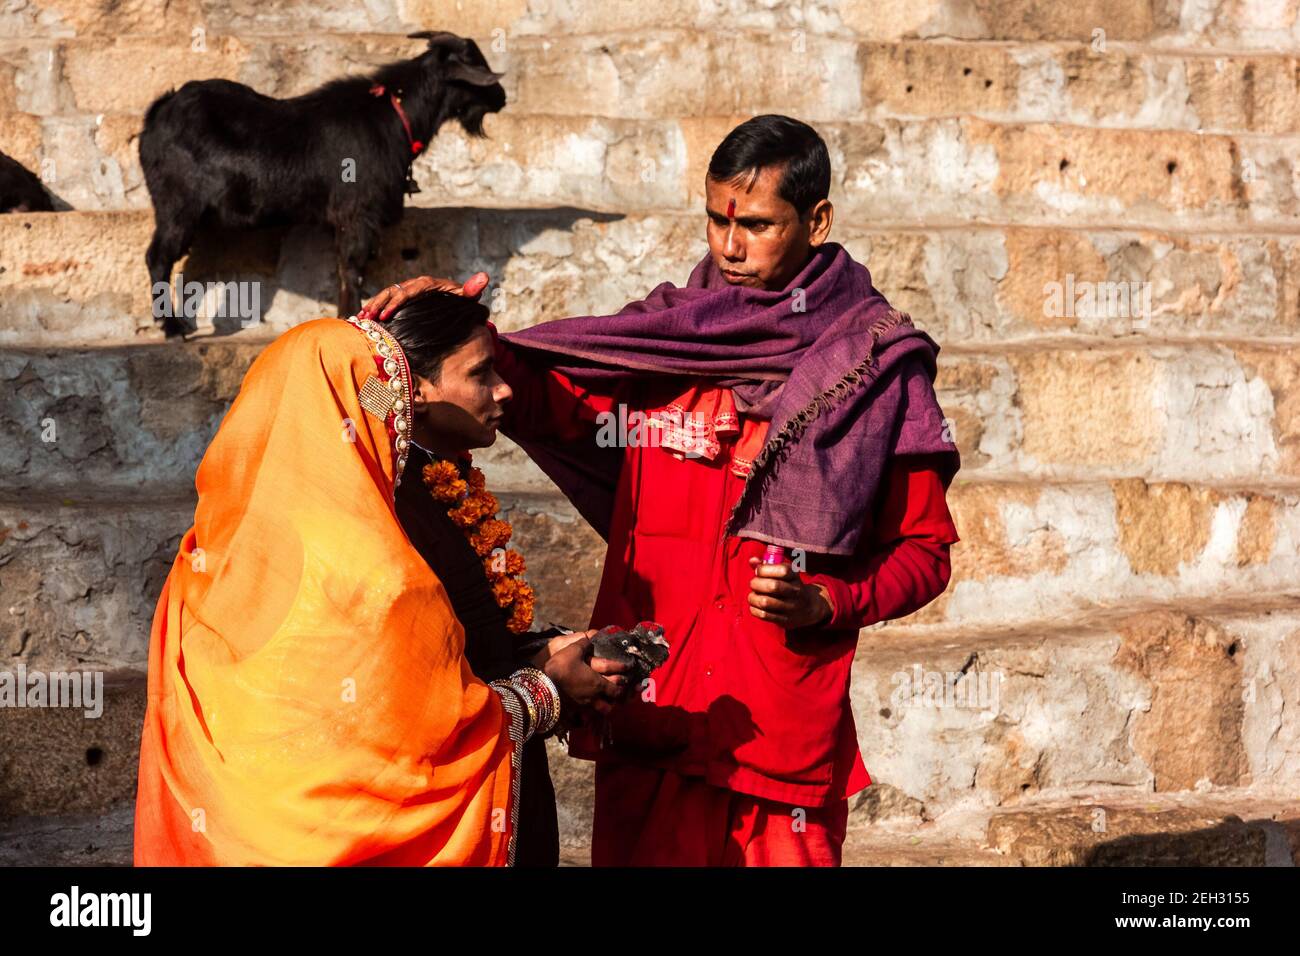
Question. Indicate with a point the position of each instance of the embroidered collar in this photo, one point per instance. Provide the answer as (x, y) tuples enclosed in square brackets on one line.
[(387, 394)]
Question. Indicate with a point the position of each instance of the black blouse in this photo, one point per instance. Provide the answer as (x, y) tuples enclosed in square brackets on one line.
[(492, 649)]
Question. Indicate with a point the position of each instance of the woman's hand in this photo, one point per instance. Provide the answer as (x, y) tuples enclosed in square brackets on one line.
[(776, 594), (555, 644), (385, 303), (584, 683)]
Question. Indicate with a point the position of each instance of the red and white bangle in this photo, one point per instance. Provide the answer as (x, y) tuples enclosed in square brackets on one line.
[(534, 697), (543, 694)]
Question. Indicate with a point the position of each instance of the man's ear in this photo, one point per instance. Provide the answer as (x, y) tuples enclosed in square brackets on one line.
[(819, 222)]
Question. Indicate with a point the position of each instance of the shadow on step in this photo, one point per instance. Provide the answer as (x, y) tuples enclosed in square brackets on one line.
[(300, 260)]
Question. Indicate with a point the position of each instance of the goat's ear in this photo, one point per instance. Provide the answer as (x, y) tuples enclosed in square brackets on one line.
[(475, 75)]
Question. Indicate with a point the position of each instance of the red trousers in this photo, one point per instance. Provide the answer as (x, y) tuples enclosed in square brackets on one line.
[(650, 817)]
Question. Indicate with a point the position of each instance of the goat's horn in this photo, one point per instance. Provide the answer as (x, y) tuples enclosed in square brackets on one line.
[(436, 37)]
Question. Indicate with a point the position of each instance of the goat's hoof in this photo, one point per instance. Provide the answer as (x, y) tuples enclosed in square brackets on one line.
[(174, 328)]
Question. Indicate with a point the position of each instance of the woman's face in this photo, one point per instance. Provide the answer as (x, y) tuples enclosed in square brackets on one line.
[(463, 407)]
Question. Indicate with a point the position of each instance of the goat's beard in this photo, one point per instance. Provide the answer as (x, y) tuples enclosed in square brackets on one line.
[(472, 123)]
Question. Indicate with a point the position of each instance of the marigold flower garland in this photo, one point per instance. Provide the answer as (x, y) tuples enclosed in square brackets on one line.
[(473, 509)]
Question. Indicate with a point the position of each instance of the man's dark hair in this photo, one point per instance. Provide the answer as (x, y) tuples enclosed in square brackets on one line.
[(433, 325), (773, 140)]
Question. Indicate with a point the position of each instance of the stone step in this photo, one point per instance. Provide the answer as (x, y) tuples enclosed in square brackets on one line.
[(1224, 829), (1179, 696), (673, 73), (1248, 832), (111, 558), (1224, 28), (68, 780), (950, 169), (1036, 551), (1030, 555), (1057, 411), (80, 278), (72, 810), (71, 761), (957, 169), (1107, 826), (1194, 412), (874, 850), (1151, 836), (1175, 696), (1123, 86), (79, 839)]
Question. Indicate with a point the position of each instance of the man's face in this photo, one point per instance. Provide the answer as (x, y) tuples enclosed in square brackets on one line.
[(464, 407), (757, 238)]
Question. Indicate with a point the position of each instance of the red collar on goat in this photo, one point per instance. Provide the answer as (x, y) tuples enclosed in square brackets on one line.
[(416, 145)]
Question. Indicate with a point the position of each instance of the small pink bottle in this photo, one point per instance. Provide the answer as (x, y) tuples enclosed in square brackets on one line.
[(774, 554)]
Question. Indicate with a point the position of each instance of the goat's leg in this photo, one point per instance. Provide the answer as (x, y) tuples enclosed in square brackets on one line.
[(353, 247), (171, 240)]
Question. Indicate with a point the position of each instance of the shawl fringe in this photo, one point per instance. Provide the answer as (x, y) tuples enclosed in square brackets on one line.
[(764, 467)]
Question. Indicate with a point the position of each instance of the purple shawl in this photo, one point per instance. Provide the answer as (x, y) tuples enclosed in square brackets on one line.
[(846, 380)]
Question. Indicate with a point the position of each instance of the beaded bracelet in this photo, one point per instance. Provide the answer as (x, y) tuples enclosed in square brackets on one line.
[(513, 700), (519, 731), (538, 698), (530, 702)]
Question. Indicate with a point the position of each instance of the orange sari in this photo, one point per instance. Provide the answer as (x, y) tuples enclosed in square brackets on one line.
[(309, 699)]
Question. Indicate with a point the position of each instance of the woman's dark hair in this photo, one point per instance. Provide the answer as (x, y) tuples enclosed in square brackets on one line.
[(433, 325), (773, 140)]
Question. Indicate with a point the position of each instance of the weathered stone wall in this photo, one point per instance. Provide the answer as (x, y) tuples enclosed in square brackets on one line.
[(1129, 574)]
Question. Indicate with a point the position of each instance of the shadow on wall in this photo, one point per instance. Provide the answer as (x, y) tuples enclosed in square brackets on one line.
[(293, 267)]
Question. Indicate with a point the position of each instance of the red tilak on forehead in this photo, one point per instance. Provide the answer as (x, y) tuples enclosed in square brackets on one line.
[(731, 208)]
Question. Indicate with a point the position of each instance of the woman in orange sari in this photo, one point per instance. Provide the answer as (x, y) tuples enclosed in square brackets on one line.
[(309, 700)]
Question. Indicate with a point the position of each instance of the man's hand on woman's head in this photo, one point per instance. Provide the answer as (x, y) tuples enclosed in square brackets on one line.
[(388, 301)]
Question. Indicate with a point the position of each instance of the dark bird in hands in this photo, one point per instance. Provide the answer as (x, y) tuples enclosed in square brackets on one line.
[(642, 648)]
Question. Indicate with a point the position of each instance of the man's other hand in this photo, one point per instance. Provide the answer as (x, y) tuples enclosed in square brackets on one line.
[(776, 594)]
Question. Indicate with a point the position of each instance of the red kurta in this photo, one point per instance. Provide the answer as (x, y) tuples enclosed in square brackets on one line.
[(741, 704)]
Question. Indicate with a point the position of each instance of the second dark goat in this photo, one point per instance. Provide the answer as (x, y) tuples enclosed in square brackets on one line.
[(20, 189)]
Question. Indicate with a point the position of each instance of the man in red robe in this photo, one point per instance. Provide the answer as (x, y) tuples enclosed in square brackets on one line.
[(742, 749)]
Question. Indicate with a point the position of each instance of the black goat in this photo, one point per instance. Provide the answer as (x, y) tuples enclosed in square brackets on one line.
[(217, 153), (20, 189)]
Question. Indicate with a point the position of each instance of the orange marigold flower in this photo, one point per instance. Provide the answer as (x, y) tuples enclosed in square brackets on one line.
[(502, 561), (439, 472), (504, 590), (477, 506), (491, 534), (521, 618), (464, 517), (444, 481), (496, 532), (474, 512)]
